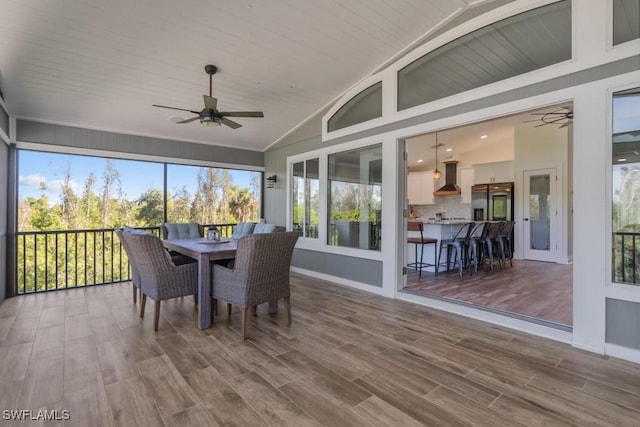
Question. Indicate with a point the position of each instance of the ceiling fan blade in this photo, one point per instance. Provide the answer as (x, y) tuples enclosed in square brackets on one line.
[(230, 123), (242, 114), (188, 120), (175, 108), (210, 102)]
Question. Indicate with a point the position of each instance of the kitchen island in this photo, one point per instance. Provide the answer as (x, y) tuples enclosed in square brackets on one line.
[(441, 230)]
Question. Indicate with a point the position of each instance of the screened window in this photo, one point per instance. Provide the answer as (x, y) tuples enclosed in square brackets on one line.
[(626, 187), (306, 194), (355, 198), (513, 46), (626, 20), (71, 192), (364, 106), (212, 195)]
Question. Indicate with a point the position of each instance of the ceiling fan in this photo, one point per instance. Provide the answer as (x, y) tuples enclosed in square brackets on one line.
[(210, 114), (563, 116)]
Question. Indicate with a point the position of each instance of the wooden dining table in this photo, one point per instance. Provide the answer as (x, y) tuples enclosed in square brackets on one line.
[(205, 252)]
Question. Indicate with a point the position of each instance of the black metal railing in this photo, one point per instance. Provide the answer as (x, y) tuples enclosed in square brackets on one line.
[(51, 260), (626, 257)]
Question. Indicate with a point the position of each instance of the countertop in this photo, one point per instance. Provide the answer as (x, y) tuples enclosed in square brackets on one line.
[(431, 221)]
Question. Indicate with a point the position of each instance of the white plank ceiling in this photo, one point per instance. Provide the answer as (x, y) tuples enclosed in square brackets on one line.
[(102, 64)]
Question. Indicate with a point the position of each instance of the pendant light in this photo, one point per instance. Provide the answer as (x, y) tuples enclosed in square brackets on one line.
[(436, 172)]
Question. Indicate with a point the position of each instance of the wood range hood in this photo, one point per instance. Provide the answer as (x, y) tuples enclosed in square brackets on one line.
[(450, 187)]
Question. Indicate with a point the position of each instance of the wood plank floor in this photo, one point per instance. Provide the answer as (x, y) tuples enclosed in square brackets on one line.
[(349, 359), (541, 290)]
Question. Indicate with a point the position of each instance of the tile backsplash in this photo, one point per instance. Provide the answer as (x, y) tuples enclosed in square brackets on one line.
[(450, 205)]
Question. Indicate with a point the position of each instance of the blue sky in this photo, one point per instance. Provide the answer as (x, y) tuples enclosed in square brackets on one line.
[(136, 176)]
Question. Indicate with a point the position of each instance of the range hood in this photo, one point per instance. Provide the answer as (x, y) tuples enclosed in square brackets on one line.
[(450, 187)]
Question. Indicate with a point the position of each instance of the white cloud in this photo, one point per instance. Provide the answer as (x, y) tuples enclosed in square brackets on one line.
[(33, 180), (55, 187)]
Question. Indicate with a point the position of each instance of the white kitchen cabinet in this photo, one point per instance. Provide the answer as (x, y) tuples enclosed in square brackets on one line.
[(487, 173), (466, 182), (420, 188)]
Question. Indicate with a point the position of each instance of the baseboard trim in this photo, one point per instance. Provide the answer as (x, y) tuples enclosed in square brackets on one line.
[(340, 281), (626, 353)]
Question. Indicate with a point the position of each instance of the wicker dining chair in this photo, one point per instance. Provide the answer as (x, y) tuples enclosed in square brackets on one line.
[(160, 278), (135, 277), (260, 273)]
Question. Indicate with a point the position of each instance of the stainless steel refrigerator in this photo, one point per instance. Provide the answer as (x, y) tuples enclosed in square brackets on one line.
[(492, 202)]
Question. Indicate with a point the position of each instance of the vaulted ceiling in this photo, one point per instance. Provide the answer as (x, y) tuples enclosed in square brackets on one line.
[(102, 64)]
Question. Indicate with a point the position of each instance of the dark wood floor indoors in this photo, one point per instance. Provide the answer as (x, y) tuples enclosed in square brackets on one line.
[(540, 290), (349, 359)]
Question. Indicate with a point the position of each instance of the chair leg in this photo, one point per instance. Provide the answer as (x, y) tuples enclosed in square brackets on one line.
[(490, 253), (143, 302), (287, 307), (156, 315), (228, 310), (135, 293), (438, 259), (245, 322)]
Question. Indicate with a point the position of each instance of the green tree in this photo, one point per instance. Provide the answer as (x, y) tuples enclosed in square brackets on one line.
[(179, 206), (243, 205), (89, 202), (150, 208), (226, 193), (110, 179), (205, 202), (43, 217), (69, 202)]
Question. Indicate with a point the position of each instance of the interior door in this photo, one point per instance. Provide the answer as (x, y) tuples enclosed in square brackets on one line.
[(540, 219)]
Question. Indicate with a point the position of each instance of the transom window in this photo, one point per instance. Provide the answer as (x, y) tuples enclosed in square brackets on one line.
[(513, 46), (626, 20)]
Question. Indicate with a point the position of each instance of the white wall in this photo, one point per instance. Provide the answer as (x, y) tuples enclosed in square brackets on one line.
[(540, 148)]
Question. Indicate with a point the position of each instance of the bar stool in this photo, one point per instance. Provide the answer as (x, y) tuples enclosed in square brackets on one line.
[(419, 265), (458, 244)]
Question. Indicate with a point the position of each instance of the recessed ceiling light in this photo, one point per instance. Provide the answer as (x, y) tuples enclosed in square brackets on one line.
[(622, 160), (449, 150), (420, 161), (483, 136)]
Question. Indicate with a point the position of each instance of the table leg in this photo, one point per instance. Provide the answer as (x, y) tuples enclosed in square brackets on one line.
[(204, 292), (273, 307)]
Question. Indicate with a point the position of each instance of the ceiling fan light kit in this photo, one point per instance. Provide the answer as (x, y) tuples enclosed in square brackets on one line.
[(210, 116)]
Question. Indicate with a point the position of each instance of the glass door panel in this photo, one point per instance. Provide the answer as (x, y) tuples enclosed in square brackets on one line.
[(539, 215)]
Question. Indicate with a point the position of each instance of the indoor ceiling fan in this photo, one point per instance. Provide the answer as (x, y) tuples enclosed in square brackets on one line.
[(563, 116), (210, 114)]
